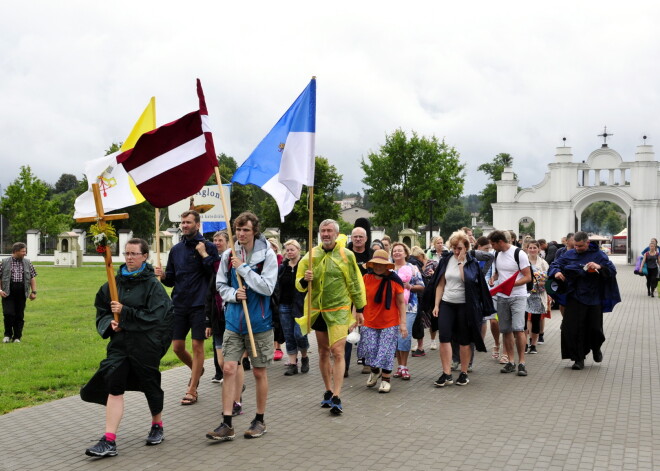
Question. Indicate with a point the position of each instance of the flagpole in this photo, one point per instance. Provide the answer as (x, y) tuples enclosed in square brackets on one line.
[(310, 263), (234, 256), (157, 241)]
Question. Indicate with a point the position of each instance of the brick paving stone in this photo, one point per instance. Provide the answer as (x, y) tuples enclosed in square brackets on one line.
[(604, 417)]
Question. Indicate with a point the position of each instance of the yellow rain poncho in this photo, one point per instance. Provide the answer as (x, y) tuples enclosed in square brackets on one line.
[(337, 283)]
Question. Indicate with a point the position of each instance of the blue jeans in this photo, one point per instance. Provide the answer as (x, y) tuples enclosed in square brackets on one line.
[(293, 336), (404, 344)]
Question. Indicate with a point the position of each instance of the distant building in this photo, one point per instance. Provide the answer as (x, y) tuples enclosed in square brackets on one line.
[(351, 214), (347, 202)]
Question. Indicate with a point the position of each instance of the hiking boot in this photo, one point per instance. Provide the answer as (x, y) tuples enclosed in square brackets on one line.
[(598, 356), (419, 353), (156, 435), (532, 350), (384, 387), (336, 408), (237, 409), (462, 379), (103, 448), (578, 365), (508, 368), (373, 379), (522, 371), (444, 380), (326, 403), (222, 434), (540, 341), (304, 364), (291, 370), (257, 429)]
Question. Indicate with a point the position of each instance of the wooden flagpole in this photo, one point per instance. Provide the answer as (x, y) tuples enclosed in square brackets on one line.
[(157, 240), (235, 257), (101, 219), (310, 265)]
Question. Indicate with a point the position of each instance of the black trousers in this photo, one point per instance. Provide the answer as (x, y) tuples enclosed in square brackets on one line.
[(13, 309), (581, 330), (652, 279)]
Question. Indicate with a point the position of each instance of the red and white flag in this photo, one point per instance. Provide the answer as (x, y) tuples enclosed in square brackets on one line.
[(175, 160), (506, 286)]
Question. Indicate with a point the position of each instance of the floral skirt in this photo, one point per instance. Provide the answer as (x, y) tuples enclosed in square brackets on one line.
[(378, 346)]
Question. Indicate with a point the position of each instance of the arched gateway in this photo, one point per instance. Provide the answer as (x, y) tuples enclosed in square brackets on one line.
[(568, 188)]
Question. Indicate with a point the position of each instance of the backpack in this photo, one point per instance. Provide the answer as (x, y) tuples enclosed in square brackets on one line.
[(516, 256)]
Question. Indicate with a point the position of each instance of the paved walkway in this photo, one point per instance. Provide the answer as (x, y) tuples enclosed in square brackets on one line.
[(605, 417)]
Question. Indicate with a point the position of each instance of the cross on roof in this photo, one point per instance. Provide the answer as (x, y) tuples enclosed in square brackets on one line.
[(605, 135)]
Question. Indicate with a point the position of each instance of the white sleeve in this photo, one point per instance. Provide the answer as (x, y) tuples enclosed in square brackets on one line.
[(523, 259), (222, 284)]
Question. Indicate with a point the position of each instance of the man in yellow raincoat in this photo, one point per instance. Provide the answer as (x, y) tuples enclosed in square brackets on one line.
[(336, 284)]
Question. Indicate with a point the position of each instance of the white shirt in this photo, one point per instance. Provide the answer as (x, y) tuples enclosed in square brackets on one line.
[(506, 266), (455, 287)]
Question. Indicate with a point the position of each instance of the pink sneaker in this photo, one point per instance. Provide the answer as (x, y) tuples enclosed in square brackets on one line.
[(278, 355)]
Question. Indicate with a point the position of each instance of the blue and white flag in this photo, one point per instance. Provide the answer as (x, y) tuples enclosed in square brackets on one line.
[(284, 160)]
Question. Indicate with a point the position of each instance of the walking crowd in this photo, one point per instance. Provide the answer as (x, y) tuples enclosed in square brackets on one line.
[(381, 295)]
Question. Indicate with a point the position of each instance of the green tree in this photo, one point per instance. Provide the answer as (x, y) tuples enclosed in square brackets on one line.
[(66, 182), (603, 217), (26, 206), (455, 218), (613, 224), (488, 195), (405, 173)]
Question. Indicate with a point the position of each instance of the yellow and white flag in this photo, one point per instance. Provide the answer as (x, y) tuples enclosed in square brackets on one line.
[(118, 189)]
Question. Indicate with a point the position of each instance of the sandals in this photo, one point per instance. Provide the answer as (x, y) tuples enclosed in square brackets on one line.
[(405, 374), (200, 377), (496, 353), (189, 399), (504, 359)]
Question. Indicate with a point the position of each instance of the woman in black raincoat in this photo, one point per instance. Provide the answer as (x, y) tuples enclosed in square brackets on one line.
[(462, 300), (137, 343)]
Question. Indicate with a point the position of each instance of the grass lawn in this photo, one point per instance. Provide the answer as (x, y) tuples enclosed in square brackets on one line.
[(60, 349)]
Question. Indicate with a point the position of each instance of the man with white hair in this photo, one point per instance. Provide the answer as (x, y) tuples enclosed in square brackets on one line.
[(336, 284)]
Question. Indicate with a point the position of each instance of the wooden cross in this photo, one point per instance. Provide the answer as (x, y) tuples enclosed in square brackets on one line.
[(101, 219)]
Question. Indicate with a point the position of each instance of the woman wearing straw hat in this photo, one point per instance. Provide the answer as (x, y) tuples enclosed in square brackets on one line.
[(383, 319)]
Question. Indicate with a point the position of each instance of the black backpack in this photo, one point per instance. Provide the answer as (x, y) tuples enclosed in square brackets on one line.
[(516, 257)]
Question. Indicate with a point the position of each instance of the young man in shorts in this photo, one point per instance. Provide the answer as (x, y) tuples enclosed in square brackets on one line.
[(256, 264)]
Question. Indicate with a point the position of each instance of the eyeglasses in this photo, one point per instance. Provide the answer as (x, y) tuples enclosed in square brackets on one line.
[(132, 254)]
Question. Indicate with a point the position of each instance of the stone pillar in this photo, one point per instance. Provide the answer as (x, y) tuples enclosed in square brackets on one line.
[(33, 236)]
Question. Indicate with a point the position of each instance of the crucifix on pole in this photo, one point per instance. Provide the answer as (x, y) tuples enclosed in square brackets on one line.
[(101, 218)]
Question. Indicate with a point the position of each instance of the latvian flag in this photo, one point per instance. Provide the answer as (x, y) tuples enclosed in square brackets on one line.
[(175, 160)]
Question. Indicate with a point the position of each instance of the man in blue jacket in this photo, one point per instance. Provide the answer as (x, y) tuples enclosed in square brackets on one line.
[(189, 270), (591, 289), (256, 264)]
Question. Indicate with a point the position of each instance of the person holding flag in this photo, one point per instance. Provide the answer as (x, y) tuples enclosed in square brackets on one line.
[(512, 266), (336, 283), (256, 264)]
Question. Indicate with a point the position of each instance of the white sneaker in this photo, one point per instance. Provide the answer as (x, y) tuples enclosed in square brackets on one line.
[(6, 340), (17, 341), (434, 344), (373, 379), (384, 387)]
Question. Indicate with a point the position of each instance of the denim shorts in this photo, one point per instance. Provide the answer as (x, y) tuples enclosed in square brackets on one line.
[(511, 313)]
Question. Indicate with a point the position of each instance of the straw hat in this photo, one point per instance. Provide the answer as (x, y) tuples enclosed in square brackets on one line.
[(381, 258)]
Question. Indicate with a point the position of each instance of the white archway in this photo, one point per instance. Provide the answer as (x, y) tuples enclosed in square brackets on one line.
[(556, 203)]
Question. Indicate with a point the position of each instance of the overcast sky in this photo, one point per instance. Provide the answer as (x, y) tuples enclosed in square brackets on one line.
[(488, 77)]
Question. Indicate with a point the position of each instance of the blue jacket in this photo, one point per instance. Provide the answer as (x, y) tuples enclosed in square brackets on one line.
[(587, 288), (260, 277), (188, 273)]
